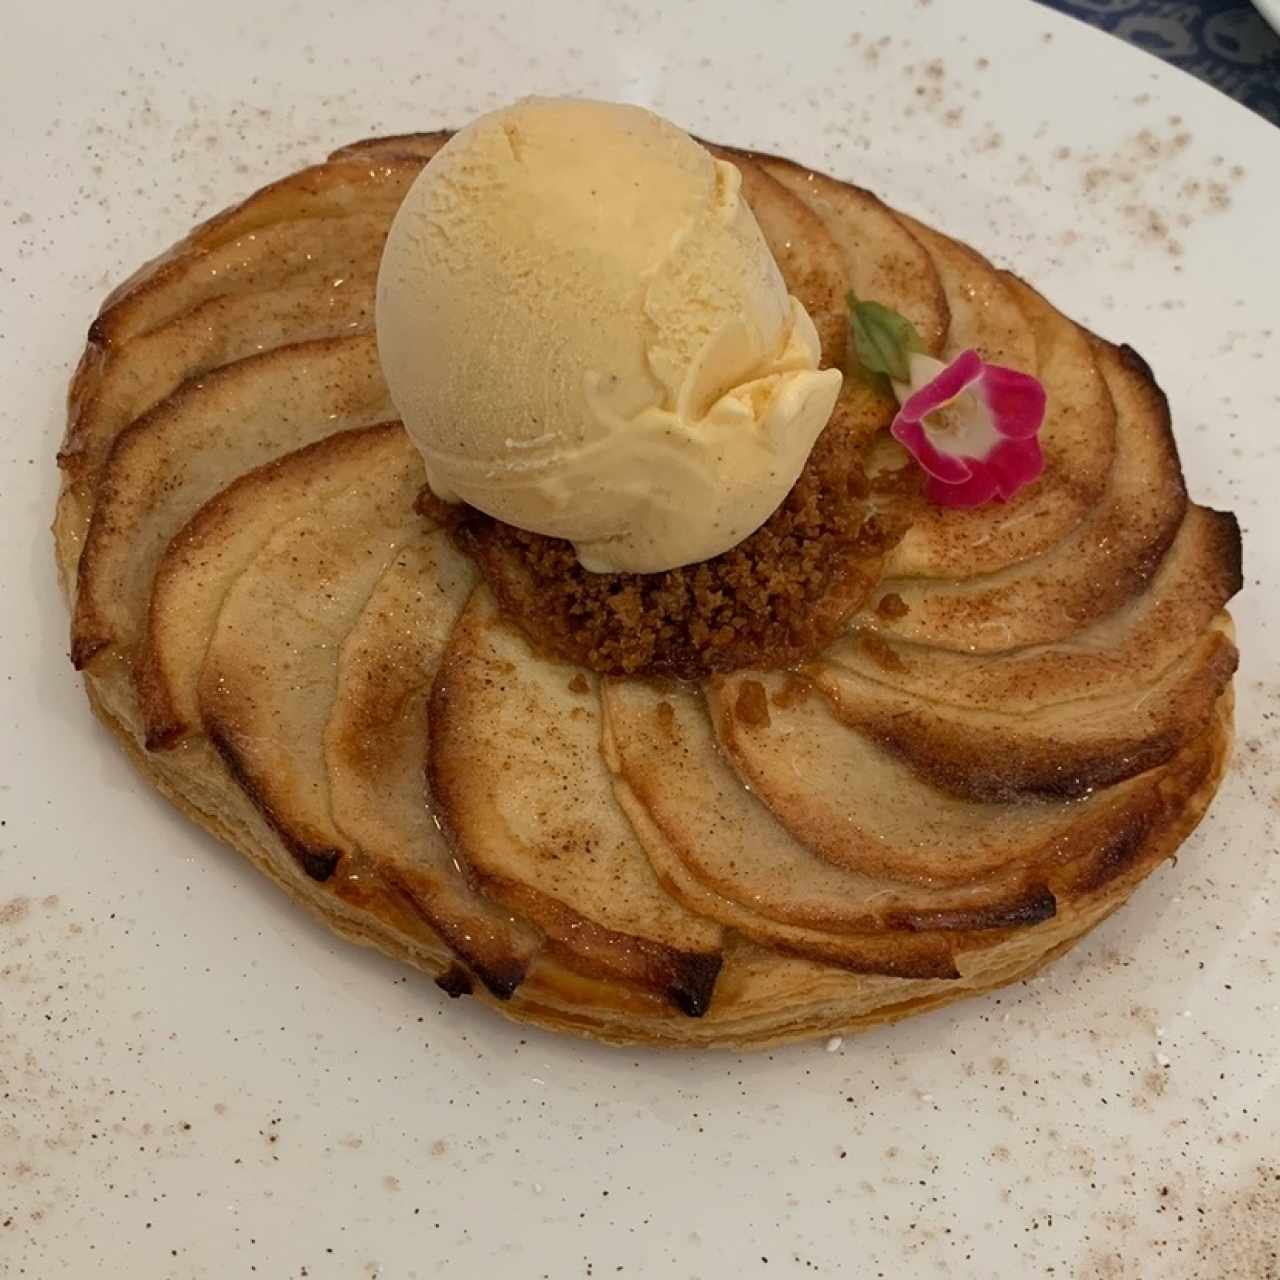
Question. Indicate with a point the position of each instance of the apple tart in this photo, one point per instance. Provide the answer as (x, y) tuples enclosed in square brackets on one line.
[(919, 769)]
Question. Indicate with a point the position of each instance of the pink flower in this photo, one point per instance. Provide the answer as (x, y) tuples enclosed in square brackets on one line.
[(972, 426)]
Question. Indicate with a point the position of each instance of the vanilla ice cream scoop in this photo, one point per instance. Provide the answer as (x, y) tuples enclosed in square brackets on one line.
[(586, 335)]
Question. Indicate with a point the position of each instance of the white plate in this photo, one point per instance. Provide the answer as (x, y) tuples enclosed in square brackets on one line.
[(1270, 9), (198, 1081)]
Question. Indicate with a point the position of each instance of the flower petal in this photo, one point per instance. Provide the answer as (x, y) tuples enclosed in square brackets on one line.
[(965, 369), (1015, 463), (979, 446), (913, 437), (1016, 401), (965, 428), (980, 487), (1010, 466)]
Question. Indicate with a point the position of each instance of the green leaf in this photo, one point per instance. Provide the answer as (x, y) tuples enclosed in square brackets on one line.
[(882, 339)]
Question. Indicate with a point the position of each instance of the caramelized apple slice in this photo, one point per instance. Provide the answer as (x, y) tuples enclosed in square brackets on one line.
[(396, 146), (1128, 649), (193, 344), (829, 785), (1064, 750), (722, 853), (376, 754), (215, 546), (884, 262), (1102, 564), (270, 673), (295, 261), (1103, 704), (261, 243), (527, 803), (170, 462)]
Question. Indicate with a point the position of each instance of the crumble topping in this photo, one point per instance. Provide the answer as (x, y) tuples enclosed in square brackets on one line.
[(772, 601)]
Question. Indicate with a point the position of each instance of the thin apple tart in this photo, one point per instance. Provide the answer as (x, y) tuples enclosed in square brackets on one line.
[(880, 756)]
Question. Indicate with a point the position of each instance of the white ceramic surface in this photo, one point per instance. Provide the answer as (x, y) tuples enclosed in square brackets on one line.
[(197, 1081), (1270, 9)]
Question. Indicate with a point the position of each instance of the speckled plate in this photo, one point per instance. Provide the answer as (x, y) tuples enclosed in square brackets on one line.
[(196, 1081)]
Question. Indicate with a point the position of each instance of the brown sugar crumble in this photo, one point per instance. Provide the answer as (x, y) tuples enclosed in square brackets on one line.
[(752, 706), (772, 601), (892, 606), (880, 651), (794, 690)]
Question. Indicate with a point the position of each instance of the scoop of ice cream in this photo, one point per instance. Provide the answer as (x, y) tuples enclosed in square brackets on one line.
[(586, 335)]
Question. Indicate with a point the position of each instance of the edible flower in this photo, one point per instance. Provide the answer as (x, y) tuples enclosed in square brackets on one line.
[(973, 426)]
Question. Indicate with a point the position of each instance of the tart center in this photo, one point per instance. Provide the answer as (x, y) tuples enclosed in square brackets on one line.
[(627, 411), (774, 600)]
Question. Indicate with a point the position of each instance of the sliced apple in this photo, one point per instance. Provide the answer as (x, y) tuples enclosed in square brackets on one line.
[(218, 332), (215, 546), (270, 673), (174, 459), (1103, 563), (376, 745), (885, 263), (724, 854), (528, 805)]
